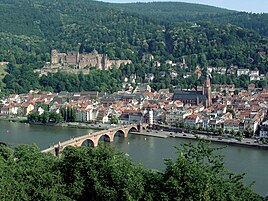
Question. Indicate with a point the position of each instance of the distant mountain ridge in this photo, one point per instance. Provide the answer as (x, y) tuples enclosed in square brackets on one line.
[(171, 11)]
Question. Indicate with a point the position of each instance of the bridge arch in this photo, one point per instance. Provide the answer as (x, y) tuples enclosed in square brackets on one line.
[(120, 133), (133, 128), (88, 143), (105, 138), (145, 126)]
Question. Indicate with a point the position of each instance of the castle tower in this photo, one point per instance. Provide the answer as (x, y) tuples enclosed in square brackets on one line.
[(207, 90), (54, 57)]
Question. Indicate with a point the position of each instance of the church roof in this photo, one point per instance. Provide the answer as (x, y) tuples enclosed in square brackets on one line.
[(189, 95)]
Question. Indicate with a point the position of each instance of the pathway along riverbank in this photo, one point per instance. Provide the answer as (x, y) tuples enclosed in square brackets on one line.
[(247, 142)]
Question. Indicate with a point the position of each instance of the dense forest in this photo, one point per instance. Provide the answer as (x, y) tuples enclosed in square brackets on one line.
[(169, 12), (202, 35), (172, 11), (102, 173)]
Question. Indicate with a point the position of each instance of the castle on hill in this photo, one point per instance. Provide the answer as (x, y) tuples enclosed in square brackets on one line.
[(80, 61)]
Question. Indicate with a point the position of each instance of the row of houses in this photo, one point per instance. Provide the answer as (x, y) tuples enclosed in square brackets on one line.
[(245, 111), (254, 75)]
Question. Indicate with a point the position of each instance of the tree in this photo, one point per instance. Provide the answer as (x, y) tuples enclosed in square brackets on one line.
[(240, 135), (199, 174), (194, 128), (68, 114), (27, 174), (220, 131), (33, 117), (44, 118), (55, 117), (102, 173), (45, 107), (114, 120), (231, 111)]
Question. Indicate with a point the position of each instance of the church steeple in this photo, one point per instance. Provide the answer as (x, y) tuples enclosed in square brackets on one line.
[(207, 90)]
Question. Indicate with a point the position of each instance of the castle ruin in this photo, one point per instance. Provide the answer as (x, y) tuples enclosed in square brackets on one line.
[(80, 61), (73, 62)]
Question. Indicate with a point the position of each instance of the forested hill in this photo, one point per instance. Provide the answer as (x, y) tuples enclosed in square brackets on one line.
[(68, 25), (257, 22), (168, 12), (29, 29), (37, 17), (171, 11)]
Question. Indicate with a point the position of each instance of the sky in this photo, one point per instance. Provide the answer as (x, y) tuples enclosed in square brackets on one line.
[(255, 6)]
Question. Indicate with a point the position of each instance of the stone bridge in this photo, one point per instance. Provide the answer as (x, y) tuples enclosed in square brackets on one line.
[(92, 139)]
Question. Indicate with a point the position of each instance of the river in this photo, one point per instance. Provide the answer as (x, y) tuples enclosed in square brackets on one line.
[(150, 151)]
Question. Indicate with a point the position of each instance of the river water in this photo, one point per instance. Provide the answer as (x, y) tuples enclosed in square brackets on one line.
[(150, 151)]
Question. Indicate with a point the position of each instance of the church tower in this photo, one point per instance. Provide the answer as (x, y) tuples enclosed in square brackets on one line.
[(207, 90)]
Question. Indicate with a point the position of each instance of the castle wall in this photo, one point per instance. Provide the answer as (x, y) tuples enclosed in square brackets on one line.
[(71, 58), (93, 59), (117, 63)]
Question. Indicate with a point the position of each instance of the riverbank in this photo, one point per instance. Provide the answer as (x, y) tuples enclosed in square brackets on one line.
[(248, 142), (17, 119), (72, 125), (67, 124), (151, 134)]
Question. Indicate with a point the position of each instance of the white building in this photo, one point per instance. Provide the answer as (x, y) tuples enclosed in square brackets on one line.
[(231, 125), (149, 77), (254, 73), (173, 117), (151, 117), (242, 71), (173, 74), (192, 121), (84, 115)]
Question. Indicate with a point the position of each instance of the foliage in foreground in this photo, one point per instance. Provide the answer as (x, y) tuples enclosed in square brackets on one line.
[(105, 174)]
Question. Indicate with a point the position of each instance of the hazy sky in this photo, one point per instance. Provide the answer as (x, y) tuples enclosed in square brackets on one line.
[(257, 6)]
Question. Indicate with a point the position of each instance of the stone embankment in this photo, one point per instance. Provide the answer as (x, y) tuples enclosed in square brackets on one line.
[(248, 142)]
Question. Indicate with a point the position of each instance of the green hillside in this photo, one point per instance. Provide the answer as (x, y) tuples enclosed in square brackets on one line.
[(218, 45), (168, 12), (257, 22), (67, 25), (30, 29), (3, 72), (171, 11)]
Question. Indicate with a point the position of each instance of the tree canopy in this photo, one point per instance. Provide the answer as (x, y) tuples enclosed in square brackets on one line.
[(103, 173)]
